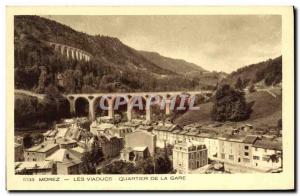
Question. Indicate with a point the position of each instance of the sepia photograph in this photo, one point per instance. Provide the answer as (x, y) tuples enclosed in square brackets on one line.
[(141, 95)]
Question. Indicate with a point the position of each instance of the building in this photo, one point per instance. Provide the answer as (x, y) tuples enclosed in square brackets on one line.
[(40, 152), (247, 154), (189, 155), (96, 128), (135, 154), (147, 128), (133, 124), (267, 155), (111, 145), (164, 133), (66, 162), (141, 139), (119, 131), (34, 168), (62, 142), (19, 154)]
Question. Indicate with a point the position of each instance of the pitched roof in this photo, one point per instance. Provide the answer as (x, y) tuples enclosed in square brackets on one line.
[(19, 166), (250, 139), (267, 144), (44, 147), (140, 148), (62, 132), (64, 156)]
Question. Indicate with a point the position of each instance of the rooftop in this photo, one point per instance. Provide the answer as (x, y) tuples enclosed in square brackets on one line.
[(267, 144), (19, 166), (190, 143), (140, 148), (250, 139), (64, 156), (44, 147)]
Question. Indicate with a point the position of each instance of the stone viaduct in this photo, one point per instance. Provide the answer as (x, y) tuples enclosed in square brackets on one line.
[(110, 97), (70, 52)]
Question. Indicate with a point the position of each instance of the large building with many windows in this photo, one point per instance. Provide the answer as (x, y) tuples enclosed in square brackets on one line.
[(189, 155)]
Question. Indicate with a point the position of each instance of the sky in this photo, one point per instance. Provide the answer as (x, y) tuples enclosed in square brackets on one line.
[(214, 42)]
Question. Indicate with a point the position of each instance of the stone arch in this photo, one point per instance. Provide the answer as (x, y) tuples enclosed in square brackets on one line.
[(65, 108), (138, 112), (98, 110), (82, 106), (157, 107), (120, 106)]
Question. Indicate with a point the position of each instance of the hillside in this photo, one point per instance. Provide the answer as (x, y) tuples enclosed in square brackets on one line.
[(268, 73), (177, 65), (113, 66), (266, 111), (202, 77)]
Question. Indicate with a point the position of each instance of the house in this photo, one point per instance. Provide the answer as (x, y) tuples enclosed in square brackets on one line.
[(135, 154), (119, 131), (147, 128), (34, 168), (164, 133), (96, 128), (267, 154), (66, 162), (110, 145), (19, 154), (141, 138), (189, 155), (62, 142), (40, 152)]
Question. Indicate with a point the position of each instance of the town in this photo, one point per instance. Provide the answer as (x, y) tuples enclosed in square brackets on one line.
[(194, 148)]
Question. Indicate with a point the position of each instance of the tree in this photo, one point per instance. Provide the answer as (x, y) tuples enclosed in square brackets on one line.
[(96, 152), (87, 166), (252, 88), (279, 124), (120, 167), (239, 84), (230, 105), (28, 141), (38, 138)]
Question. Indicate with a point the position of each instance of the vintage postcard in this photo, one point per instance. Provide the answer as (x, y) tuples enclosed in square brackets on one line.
[(150, 98)]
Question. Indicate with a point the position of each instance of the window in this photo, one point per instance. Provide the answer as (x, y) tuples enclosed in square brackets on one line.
[(246, 160), (256, 157), (255, 149), (266, 150), (265, 159), (231, 157), (246, 153), (246, 147), (222, 156)]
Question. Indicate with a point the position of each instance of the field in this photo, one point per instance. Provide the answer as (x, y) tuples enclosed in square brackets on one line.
[(267, 110)]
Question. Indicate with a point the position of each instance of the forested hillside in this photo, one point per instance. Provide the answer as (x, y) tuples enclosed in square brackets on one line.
[(268, 72), (113, 67)]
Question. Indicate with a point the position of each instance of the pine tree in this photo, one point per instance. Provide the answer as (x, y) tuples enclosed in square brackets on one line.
[(230, 105)]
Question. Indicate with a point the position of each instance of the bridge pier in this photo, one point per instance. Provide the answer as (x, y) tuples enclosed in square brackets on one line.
[(129, 109), (111, 108), (167, 106), (72, 106), (92, 113), (148, 114)]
